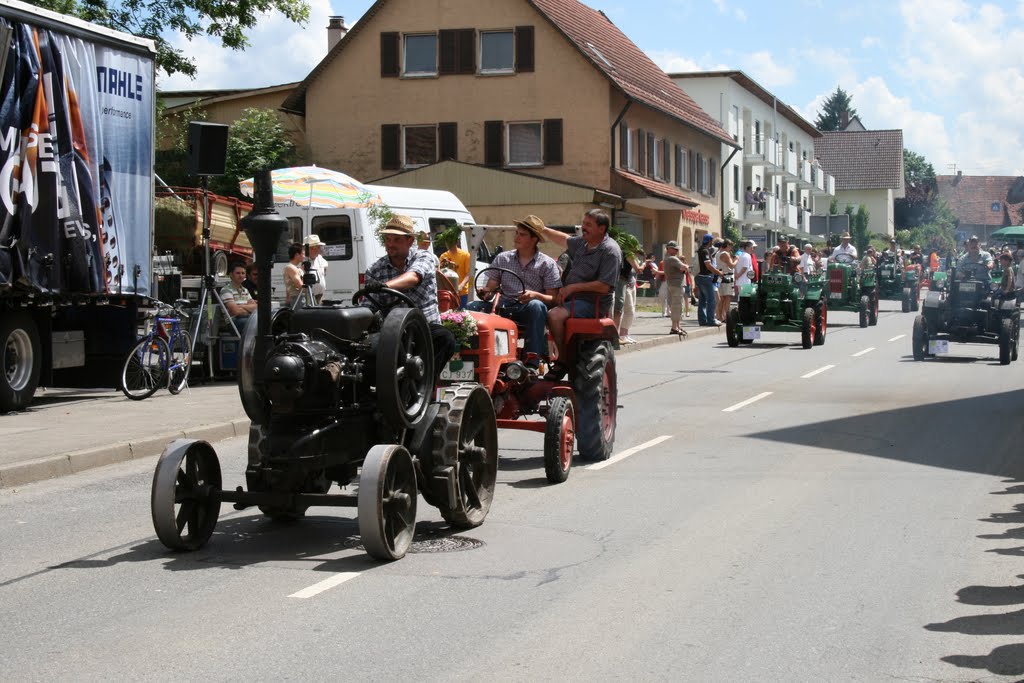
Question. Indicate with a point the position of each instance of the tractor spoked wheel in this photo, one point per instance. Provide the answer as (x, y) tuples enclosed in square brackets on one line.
[(387, 502), (405, 368), (183, 500), (597, 394), (808, 329), (821, 321), (559, 438), (466, 438)]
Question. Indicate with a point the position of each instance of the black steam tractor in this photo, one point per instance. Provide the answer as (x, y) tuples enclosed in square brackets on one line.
[(337, 395)]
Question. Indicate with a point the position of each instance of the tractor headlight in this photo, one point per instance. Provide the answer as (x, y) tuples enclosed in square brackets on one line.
[(515, 371)]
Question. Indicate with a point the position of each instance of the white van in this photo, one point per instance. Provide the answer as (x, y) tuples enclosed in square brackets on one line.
[(350, 241)]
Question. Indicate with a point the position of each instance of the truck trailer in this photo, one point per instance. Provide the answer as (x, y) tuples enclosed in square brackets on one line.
[(77, 123)]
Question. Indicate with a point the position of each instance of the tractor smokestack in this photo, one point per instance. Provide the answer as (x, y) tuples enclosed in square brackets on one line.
[(264, 227)]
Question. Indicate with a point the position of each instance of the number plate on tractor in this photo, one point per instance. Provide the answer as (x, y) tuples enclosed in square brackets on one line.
[(459, 370), (751, 332), (835, 295), (936, 346)]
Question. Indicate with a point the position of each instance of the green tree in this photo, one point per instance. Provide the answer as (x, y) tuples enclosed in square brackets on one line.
[(859, 230), (152, 19), (729, 230), (831, 115), (257, 140), (921, 192)]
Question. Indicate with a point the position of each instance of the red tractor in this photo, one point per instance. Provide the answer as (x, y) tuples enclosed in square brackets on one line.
[(580, 408)]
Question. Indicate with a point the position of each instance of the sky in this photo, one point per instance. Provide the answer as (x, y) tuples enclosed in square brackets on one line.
[(949, 73)]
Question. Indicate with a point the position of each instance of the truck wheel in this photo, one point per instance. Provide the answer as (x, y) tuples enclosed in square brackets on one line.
[(808, 330), (220, 264), (1005, 341), (865, 306), (597, 395), (22, 357), (559, 437), (920, 338), (733, 332)]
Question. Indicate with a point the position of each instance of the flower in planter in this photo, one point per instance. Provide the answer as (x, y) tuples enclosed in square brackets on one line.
[(461, 324)]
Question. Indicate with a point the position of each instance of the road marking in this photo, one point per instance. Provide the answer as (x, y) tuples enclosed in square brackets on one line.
[(628, 452), (898, 337), (326, 584), (816, 372), (742, 404), (861, 353)]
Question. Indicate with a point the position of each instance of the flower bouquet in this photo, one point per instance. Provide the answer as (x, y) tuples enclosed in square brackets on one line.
[(461, 324)]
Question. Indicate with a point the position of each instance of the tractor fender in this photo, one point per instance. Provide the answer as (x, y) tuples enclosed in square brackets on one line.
[(1008, 305)]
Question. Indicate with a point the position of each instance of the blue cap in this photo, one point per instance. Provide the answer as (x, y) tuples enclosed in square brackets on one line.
[(708, 237)]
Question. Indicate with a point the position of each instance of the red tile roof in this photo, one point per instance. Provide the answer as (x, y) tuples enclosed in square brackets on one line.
[(657, 188), (973, 198)]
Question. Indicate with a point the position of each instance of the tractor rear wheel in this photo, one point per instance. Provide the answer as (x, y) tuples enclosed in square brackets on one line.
[(873, 309), (905, 299), (733, 329), (1005, 341), (920, 338), (915, 302), (597, 395), (821, 323), (865, 305), (808, 330)]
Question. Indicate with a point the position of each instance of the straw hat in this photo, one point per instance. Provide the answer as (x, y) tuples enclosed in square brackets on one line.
[(399, 225), (313, 241), (532, 223)]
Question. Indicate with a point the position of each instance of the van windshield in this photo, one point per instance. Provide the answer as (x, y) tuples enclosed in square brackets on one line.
[(336, 234)]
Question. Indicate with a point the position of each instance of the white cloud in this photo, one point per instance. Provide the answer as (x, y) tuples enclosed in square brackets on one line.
[(723, 8), (673, 62), (280, 52), (870, 41), (765, 70)]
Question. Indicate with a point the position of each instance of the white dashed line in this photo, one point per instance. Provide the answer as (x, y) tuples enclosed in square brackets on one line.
[(816, 372), (898, 337), (326, 584), (628, 452), (743, 404), (861, 353)]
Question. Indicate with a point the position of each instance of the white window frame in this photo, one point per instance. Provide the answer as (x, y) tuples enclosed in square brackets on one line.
[(405, 54), (634, 140), (511, 69), (437, 143), (683, 172), (508, 145)]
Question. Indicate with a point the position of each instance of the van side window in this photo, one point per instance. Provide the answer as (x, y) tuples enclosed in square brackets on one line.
[(438, 225), (290, 236), (336, 234)]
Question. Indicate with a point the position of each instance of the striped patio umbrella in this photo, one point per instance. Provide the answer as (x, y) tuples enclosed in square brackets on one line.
[(317, 188)]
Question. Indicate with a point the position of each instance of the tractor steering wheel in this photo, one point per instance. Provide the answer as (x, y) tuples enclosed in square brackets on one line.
[(401, 296), (501, 286)]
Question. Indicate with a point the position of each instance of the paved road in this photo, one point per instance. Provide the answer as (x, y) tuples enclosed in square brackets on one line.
[(863, 519)]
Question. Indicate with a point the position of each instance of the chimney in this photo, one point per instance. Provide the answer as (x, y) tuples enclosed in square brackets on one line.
[(336, 30), (844, 119), (958, 178)]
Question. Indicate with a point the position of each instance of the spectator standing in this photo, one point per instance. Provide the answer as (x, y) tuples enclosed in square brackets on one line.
[(625, 297), (749, 199), (727, 265), (293, 273), (755, 265), (706, 284), (318, 265), (459, 258), (675, 272), (744, 268)]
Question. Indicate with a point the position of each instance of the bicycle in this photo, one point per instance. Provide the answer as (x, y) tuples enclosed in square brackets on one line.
[(163, 356)]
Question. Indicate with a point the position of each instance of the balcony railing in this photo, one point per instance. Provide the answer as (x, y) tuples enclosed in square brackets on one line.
[(805, 172), (791, 165), (771, 209), (818, 178), (762, 150), (806, 227), (831, 185), (791, 216)]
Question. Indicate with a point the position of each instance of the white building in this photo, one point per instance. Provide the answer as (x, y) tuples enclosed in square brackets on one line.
[(777, 155)]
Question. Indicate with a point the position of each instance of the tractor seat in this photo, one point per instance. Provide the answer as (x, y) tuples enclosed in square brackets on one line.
[(344, 323)]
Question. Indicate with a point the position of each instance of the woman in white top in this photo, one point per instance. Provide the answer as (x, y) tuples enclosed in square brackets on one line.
[(727, 264)]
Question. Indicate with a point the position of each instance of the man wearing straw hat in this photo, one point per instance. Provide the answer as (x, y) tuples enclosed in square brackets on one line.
[(318, 265), (414, 272), (845, 248)]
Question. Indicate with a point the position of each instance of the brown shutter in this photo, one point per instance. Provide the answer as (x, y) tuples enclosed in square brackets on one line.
[(449, 134), (552, 142), (467, 51), (680, 171), (447, 45), (390, 147), (641, 151), (524, 48), (650, 155), (494, 147), (691, 181), (666, 161), (712, 175), (389, 59), (623, 146)]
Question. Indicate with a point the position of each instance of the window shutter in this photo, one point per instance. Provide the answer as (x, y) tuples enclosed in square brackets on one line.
[(680, 169), (650, 155), (623, 146), (389, 61), (447, 45), (641, 152), (494, 147), (467, 51), (552, 142), (692, 180), (449, 134), (712, 176), (524, 48), (390, 149), (666, 161)]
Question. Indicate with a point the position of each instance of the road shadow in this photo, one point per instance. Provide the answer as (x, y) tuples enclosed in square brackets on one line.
[(1005, 660), (520, 464), (992, 595)]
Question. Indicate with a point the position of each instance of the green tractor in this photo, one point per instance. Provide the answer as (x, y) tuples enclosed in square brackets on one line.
[(890, 277), (967, 313), (911, 295), (850, 289), (781, 302)]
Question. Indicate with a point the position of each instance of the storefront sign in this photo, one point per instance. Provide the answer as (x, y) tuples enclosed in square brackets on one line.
[(695, 216)]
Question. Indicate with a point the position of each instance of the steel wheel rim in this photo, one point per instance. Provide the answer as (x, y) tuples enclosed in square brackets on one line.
[(565, 442), (17, 359), (398, 512), (476, 482), (410, 375), (184, 495), (607, 406)]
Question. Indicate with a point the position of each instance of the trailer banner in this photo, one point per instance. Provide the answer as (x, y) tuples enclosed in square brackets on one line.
[(76, 160)]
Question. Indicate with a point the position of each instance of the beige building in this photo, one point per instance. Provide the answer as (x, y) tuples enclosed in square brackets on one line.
[(546, 105)]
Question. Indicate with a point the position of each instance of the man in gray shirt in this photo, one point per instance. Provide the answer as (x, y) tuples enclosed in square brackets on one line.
[(595, 260)]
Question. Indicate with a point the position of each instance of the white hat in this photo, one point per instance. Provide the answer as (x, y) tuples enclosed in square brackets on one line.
[(313, 241)]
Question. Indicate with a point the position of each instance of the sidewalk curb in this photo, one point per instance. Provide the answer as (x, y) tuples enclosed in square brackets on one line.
[(53, 466), (671, 339)]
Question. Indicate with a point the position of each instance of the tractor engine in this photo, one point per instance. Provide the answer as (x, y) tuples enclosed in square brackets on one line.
[(304, 376)]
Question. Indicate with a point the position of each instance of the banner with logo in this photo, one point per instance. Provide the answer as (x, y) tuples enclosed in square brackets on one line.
[(76, 160)]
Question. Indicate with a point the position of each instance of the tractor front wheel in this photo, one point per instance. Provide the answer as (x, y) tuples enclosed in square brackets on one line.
[(733, 330), (906, 299), (821, 322), (808, 330), (920, 338), (1005, 341)]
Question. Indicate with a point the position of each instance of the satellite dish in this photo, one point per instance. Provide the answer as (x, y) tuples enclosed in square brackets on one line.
[(1016, 193)]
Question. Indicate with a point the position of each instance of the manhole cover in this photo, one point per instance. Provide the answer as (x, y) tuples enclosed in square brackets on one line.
[(429, 542)]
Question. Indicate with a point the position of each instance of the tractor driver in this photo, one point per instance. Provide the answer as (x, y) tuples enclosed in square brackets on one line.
[(539, 273), (413, 272), (975, 254), (845, 248), (786, 258), (595, 260)]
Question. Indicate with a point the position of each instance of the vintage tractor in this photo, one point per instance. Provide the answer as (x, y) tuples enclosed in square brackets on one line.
[(781, 302), (851, 289), (337, 395), (911, 296), (580, 409), (890, 277), (968, 313)]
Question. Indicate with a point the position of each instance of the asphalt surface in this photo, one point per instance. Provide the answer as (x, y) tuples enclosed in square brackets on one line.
[(854, 515)]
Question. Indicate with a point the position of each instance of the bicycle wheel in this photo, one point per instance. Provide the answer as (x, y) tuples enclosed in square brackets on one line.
[(145, 368), (181, 361)]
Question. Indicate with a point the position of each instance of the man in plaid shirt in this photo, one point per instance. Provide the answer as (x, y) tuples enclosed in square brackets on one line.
[(413, 272)]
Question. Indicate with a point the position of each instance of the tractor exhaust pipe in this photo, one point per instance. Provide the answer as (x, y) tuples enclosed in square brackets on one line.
[(264, 227)]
